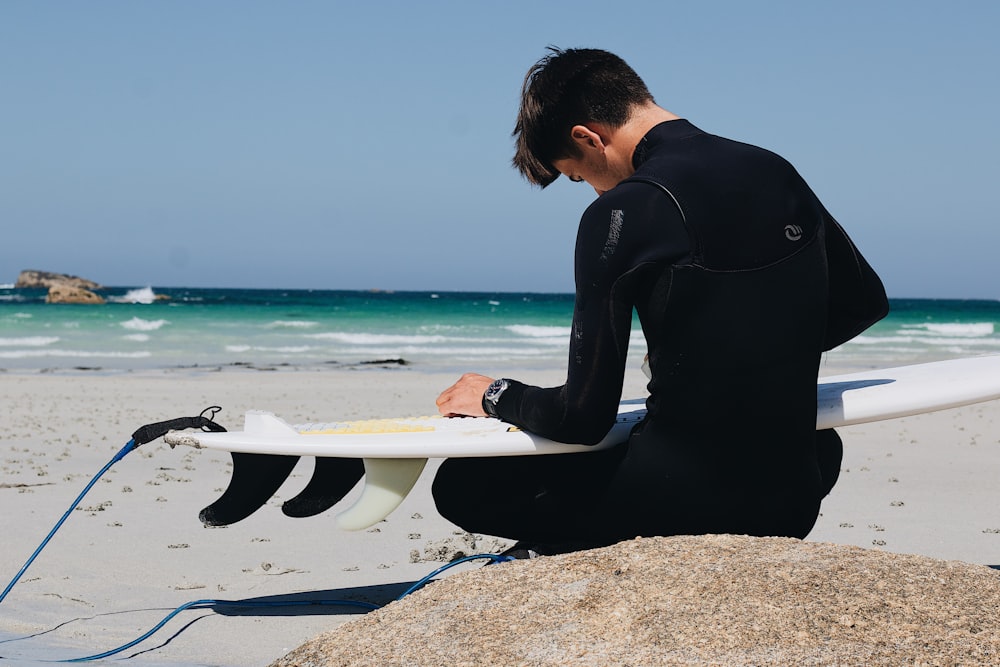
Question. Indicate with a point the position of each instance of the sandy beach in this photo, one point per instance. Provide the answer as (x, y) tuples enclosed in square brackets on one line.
[(135, 549)]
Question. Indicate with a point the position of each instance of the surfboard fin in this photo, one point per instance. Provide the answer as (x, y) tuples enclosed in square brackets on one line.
[(387, 482), (255, 479), (332, 479)]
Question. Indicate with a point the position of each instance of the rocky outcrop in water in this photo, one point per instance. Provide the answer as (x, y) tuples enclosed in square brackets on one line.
[(63, 288), (70, 294), (30, 279)]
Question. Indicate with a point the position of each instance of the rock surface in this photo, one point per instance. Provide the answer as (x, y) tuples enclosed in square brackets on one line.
[(45, 279), (71, 294), (708, 600)]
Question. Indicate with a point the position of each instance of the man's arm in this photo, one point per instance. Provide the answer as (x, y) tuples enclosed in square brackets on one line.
[(583, 409), (580, 411), (633, 225)]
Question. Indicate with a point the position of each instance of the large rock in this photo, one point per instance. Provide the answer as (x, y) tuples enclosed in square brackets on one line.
[(71, 294), (45, 280), (709, 600)]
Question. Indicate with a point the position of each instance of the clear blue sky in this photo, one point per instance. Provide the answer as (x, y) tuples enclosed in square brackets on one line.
[(355, 145)]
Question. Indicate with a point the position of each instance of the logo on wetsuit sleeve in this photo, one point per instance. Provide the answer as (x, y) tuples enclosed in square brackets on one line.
[(614, 234), (793, 232)]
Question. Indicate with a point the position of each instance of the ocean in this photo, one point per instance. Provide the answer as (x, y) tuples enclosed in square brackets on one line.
[(193, 328)]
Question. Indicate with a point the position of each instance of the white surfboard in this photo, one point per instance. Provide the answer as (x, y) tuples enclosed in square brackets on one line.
[(396, 450)]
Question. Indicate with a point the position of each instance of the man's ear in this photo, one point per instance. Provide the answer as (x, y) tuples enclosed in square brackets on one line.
[(587, 138)]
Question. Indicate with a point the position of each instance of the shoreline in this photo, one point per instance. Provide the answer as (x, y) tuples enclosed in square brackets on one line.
[(840, 364)]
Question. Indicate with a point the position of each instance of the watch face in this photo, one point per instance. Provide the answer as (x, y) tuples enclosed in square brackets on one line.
[(495, 389)]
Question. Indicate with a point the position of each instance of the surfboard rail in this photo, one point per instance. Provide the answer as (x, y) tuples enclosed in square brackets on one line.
[(903, 391)]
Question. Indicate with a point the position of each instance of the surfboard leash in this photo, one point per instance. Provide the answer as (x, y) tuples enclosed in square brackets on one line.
[(151, 432), (142, 435), (214, 604), (206, 422)]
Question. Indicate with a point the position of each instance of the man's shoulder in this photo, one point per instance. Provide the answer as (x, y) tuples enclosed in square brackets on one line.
[(634, 191), (629, 203)]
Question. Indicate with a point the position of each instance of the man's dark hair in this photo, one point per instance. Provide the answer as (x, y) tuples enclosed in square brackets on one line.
[(566, 88)]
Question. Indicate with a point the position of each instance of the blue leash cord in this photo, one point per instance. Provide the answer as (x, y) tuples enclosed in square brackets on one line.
[(117, 457), (149, 433), (144, 434), (211, 604), (496, 558)]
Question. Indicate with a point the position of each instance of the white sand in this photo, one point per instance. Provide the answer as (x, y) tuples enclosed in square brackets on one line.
[(923, 485)]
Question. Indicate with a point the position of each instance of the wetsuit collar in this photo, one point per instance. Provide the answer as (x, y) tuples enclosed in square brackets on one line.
[(662, 133)]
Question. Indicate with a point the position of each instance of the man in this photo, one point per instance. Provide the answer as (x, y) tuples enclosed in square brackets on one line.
[(740, 278)]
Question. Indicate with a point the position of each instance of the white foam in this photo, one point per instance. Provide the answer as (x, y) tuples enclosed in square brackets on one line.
[(139, 337), (139, 324), (26, 354), (485, 352), (458, 352), (962, 343), (917, 340), (377, 339), (535, 331), (291, 324), (879, 340), (970, 329), (140, 295), (288, 349), (29, 341)]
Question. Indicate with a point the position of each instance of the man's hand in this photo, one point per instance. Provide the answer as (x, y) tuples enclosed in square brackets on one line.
[(465, 397)]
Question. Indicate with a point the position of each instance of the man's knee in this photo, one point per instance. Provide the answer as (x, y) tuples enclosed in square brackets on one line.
[(452, 489)]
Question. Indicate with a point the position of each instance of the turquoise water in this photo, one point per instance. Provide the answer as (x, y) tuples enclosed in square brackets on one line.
[(144, 328)]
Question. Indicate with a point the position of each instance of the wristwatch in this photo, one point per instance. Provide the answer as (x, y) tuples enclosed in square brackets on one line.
[(492, 396)]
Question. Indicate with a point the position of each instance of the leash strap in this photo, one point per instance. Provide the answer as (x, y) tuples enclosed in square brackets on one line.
[(151, 432)]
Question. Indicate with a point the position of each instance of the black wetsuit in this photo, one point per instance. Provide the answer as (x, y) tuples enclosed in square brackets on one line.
[(740, 279)]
